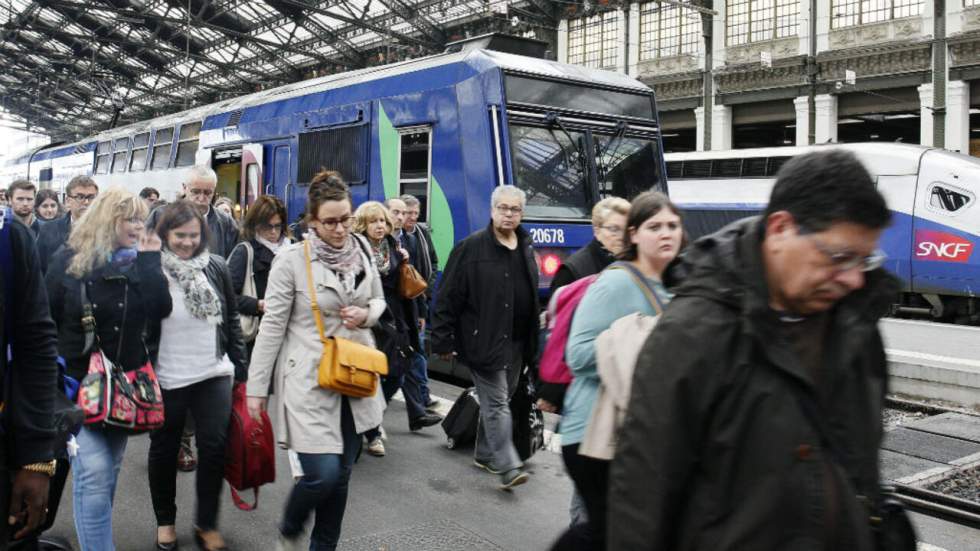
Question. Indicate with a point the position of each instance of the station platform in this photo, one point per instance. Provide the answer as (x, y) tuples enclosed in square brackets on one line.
[(420, 496)]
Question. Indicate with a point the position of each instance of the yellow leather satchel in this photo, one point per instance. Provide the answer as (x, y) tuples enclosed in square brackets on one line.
[(346, 367)]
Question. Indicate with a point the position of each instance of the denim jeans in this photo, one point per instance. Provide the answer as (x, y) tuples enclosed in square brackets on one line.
[(210, 403), (420, 368), (323, 490), (96, 470), (495, 431)]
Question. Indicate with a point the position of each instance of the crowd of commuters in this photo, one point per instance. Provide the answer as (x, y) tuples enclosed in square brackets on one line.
[(764, 368)]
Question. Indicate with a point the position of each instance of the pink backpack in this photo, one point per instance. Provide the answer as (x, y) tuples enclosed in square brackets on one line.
[(561, 308)]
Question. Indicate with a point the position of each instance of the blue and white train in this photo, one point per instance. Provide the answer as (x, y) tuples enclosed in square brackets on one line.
[(932, 193)]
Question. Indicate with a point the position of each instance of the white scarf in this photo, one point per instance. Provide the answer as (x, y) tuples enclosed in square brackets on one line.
[(274, 247), (200, 298)]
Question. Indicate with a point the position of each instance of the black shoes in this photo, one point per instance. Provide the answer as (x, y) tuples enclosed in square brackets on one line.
[(513, 477), (426, 420)]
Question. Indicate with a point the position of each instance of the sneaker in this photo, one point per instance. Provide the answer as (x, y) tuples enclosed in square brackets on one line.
[(376, 447), (487, 466), (290, 544), (426, 420), (384, 435), (185, 457), (513, 477)]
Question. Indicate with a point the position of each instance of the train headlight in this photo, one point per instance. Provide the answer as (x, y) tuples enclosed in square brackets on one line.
[(550, 264)]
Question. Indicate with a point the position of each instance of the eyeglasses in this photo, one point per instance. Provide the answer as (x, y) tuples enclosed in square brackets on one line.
[(271, 227), (201, 192), (330, 223), (613, 229), (846, 261), (83, 198), (503, 209)]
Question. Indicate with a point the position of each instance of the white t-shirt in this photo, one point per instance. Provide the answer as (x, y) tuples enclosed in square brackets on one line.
[(188, 346)]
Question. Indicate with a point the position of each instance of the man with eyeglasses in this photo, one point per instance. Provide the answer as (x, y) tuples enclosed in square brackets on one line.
[(80, 192), (755, 415), (199, 188), (486, 316)]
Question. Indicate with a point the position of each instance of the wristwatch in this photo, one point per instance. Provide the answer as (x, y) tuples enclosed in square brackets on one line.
[(43, 467)]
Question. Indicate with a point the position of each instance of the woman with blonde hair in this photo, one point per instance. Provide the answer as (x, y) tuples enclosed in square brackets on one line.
[(397, 332), (318, 424), (117, 262)]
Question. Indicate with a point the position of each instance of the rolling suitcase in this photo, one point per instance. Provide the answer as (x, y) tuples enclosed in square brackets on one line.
[(461, 421)]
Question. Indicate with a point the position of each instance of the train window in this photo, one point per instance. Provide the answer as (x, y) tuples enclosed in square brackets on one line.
[(697, 169), (120, 152), (945, 198), (413, 166), (103, 157), (754, 167), (549, 167), (775, 163), (187, 144), (726, 168), (162, 145), (138, 161), (626, 165), (674, 169)]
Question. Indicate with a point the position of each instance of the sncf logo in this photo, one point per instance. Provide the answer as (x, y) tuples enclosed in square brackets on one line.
[(945, 247)]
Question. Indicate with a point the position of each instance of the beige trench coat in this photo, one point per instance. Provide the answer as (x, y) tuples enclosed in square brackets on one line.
[(289, 345)]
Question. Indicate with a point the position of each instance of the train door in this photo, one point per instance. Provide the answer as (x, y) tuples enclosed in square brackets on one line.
[(250, 175), (278, 179), (946, 226)]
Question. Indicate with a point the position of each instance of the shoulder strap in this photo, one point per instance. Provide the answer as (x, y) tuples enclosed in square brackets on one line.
[(642, 282), (249, 260), (88, 318), (309, 282)]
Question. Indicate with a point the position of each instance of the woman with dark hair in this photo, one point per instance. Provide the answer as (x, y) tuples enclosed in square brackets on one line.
[(111, 263), (653, 238), (264, 234), (201, 349), (46, 205), (320, 426)]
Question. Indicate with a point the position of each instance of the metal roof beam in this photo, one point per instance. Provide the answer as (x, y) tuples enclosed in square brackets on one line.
[(174, 36), (365, 24), (205, 11), (341, 44), (418, 19)]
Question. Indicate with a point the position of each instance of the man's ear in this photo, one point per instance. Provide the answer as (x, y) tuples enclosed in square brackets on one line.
[(780, 225)]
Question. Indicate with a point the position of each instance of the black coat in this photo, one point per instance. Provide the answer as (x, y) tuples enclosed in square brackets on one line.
[(27, 419), (716, 451), (51, 236), (230, 340), (403, 311), (126, 306), (590, 259), (261, 265), (474, 316)]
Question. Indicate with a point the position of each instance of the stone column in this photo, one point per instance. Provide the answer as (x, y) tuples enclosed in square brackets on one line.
[(699, 117), (563, 41), (802, 105), (721, 127), (825, 129), (633, 40), (958, 116), (621, 36), (925, 114)]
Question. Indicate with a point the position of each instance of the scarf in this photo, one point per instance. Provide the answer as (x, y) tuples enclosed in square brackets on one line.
[(274, 247), (346, 262), (123, 258), (200, 298), (382, 255)]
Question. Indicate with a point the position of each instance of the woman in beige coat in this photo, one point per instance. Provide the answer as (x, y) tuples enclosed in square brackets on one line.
[(319, 425)]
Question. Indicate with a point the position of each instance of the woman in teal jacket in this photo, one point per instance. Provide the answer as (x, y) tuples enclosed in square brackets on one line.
[(654, 236)]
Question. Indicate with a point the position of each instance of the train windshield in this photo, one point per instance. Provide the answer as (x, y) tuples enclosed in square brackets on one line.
[(550, 167), (626, 166)]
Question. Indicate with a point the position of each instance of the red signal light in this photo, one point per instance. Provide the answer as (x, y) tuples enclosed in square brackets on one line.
[(550, 264)]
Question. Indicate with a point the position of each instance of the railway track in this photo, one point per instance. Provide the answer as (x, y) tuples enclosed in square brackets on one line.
[(934, 504)]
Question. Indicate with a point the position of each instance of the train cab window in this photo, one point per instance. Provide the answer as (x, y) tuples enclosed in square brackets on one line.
[(119, 155), (141, 144), (626, 165), (413, 166), (946, 198), (187, 144), (103, 157), (162, 146), (549, 166)]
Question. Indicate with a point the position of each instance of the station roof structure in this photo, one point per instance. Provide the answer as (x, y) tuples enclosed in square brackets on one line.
[(74, 67)]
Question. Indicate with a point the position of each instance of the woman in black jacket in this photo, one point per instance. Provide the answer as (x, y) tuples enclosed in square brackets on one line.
[(119, 266), (264, 233), (398, 334), (201, 349)]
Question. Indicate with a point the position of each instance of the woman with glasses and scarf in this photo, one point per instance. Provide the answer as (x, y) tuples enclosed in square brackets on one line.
[(398, 327), (201, 349), (264, 234), (118, 263), (320, 426)]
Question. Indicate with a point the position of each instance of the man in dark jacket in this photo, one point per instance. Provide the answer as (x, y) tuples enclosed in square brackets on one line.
[(27, 454), (755, 415), (22, 193), (486, 316), (199, 189), (80, 192)]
